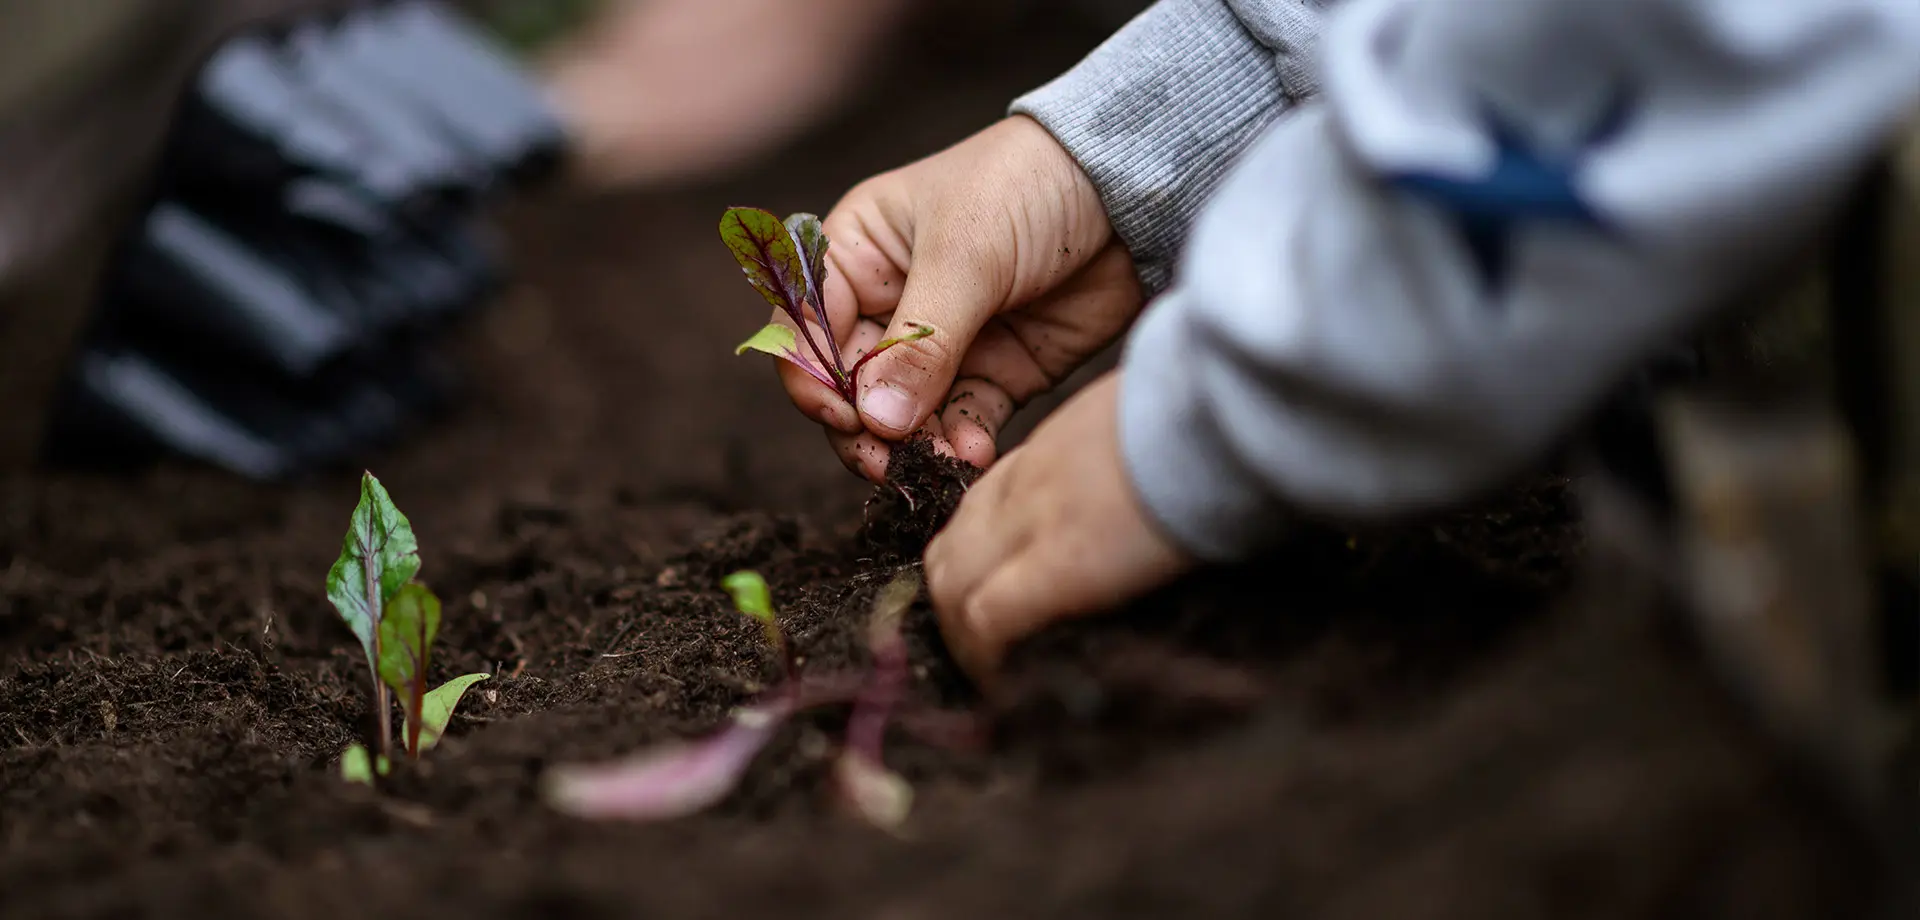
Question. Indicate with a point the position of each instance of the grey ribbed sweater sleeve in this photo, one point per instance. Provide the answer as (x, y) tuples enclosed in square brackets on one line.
[(1408, 290), (1157, 113)]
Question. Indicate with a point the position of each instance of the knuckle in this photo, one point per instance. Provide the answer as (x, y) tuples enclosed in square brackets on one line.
[(922, 359), (977, 617), (863, 194)]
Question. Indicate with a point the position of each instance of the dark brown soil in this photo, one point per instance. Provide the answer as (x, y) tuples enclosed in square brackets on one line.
[(923, 489), (1442, 720)]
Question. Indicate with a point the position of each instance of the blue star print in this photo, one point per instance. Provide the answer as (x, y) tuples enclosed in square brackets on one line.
[(1524, 183)]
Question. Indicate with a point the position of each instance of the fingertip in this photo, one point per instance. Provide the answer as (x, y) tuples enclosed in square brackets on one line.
[(872, 455), (836, 415), (972, 443), (942, 447), (967, 643), (973, 419), (817, 402), (861, 454)]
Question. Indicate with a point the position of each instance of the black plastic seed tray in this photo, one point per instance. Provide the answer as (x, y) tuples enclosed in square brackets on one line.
[(317, 225)]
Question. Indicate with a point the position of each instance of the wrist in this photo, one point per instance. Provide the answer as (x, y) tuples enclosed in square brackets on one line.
[(1083, 215)]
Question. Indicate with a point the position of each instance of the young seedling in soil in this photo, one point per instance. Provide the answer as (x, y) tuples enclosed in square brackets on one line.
[(396, 620), (787, 263), (681, 778)]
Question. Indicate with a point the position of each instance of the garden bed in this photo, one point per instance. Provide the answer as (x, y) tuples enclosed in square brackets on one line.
[(1443, 720)]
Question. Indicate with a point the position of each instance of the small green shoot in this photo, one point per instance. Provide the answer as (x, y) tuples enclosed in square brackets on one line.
[(358, 766), (396, 620), (752, 597)]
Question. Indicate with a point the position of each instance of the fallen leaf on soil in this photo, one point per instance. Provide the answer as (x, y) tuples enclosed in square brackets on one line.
[(876, 794), (672, 780)]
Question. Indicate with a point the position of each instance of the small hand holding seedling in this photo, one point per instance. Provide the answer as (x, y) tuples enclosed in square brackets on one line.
[(787, 263), (395, 619), (681, 778)]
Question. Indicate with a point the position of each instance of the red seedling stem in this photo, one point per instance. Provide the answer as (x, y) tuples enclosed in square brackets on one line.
[(382, 704)]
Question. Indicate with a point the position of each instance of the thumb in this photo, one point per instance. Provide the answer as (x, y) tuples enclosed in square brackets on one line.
[(903, 386)]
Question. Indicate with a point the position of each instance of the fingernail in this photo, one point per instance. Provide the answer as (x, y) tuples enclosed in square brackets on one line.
[(888, 405)]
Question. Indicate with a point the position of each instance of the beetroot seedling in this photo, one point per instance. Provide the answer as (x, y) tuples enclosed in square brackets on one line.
[(787, 263), (396, 620), (752, 597), (680, 778)]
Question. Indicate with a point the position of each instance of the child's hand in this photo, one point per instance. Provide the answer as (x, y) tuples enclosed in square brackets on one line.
[(1054, 531), (1001, 244)]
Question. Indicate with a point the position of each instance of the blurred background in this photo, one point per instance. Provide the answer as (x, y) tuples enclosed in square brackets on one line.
[(247, 246), (241, 231)]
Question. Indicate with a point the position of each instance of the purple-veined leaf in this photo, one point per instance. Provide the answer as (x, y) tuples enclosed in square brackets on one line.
[(811, 239), (378, 555), (770, 258), (777, 339), (674, 779), (407, 628)]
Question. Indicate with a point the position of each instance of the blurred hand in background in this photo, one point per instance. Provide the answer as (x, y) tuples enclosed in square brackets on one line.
[(663, 90)]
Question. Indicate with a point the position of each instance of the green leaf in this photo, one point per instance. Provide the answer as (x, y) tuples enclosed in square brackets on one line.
[(437, 710), (767, 254), (752, 597), (919, 331), (407, 629), (377, 557), (750, 594), (776, 339), (811, 238), (357, 766)]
